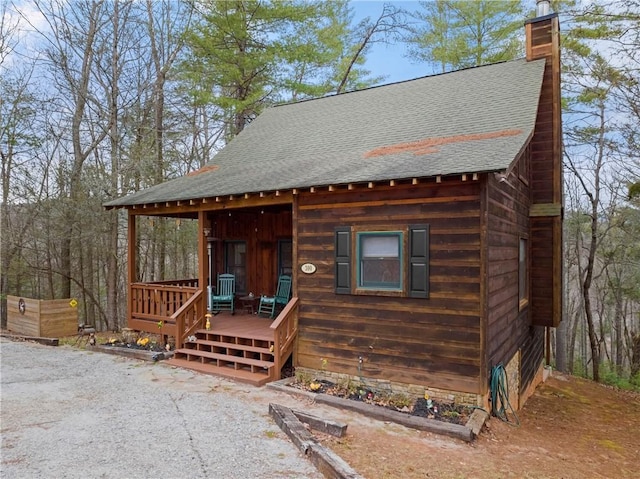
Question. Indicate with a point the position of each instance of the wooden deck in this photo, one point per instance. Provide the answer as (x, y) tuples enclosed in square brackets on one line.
[(243, 347), (242, 324)]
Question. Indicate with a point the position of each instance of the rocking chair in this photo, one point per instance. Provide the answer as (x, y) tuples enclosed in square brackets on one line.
[(224, 298), (270, 304)]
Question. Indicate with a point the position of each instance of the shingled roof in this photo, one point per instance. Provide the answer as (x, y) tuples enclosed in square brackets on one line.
[(472, 120)]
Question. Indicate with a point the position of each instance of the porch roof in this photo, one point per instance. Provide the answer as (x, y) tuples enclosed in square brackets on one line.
[(468, 121)]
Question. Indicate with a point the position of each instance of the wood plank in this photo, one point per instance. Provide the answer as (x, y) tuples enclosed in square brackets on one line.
[(240, 375), (327, 426), (326, 461), (477, 420), (236, 346), (223, 357), (545, 209), (35, 339)]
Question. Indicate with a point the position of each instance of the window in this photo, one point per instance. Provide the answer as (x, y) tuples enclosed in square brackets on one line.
[(523, 274), (235, 262), (379, 260), (383, 262), (285, 257)]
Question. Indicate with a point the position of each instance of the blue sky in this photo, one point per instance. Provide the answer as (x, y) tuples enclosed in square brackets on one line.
[(389, 61)]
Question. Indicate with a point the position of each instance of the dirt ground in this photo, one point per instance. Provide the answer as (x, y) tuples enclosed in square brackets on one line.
[(570, 428)]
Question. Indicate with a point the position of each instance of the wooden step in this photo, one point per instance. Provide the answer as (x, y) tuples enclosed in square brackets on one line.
[(195, 353), (234, 346), (203, 333), (241, 375)]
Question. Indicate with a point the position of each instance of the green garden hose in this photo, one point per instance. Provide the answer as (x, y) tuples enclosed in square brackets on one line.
[(500, 405)]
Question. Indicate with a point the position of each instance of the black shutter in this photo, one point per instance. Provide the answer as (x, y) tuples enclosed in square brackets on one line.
[(343, 260), (419, 261)]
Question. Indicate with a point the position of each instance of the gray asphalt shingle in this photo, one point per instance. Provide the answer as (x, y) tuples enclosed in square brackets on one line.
[(333, 140)]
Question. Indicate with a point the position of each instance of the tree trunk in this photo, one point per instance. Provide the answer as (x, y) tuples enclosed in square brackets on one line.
[(635, 354), (112, 234), (79, 88)]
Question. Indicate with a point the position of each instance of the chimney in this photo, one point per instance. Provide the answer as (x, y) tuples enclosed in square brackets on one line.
[(545, 172), (542, 8), (543, 42), (542, 33)]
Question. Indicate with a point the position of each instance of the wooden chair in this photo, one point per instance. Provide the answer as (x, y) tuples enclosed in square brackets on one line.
[(270, 304), (224, 297)]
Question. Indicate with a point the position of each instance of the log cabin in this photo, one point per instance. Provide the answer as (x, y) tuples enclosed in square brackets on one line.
[(420, 221)]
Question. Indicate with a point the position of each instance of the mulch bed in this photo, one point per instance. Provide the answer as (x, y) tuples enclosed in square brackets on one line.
[(421, 407), (151, 346)]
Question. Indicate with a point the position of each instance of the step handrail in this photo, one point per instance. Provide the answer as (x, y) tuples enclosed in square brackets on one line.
[(193, 308), (285, 329)]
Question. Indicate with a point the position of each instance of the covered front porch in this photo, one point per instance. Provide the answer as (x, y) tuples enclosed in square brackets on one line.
[(253, 243), (243, 346)]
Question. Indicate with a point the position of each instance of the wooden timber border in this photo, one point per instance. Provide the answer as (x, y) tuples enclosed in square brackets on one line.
[(467, 432)]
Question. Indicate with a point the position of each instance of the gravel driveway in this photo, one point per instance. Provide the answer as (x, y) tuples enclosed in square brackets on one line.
[(68, 413)]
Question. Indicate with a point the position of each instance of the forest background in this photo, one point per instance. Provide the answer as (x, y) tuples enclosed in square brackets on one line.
[(99, 99)]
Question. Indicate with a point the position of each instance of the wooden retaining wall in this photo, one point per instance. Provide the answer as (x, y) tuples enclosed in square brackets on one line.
[(44, 318)]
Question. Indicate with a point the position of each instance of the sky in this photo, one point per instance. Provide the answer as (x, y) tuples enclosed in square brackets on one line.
[(384, 60), (389, 61)]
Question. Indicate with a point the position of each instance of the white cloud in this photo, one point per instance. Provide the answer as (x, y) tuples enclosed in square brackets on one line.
[(20, 24)]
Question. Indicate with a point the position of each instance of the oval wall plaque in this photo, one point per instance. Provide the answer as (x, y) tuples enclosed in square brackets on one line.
[(308, 268)]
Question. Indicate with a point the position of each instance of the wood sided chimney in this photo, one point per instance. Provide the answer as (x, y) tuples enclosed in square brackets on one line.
[(546, 184)]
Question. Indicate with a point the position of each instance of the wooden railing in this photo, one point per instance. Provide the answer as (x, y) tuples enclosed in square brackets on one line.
[(189, 317), (190, 282), (285, 329), (153, 305)]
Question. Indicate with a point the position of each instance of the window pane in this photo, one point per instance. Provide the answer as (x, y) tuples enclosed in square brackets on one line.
[(522, 271), (236, 263), (379, 263), (380, 246), (285, 257)]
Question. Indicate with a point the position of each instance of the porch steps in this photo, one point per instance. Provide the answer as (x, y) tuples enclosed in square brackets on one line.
[(246, 359)]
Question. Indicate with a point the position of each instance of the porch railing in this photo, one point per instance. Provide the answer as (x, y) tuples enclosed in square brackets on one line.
[(190, 282), (285, 329), (153, 305)]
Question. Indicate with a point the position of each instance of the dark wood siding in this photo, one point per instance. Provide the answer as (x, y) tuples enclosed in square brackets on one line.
[(532, 352), (509, 325), (434, 341), (261, 229)]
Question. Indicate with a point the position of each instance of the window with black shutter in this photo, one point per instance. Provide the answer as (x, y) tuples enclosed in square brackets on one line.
[(381, 260)]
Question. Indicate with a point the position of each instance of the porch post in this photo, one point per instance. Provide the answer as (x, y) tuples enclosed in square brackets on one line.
[(294, 245), (131, 262), (203, 261)]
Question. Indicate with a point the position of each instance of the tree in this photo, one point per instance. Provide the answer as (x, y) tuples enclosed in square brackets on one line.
[(387, 27), (19, 137), (72, 54), (245, 55), (456, 34), (595, 155)]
